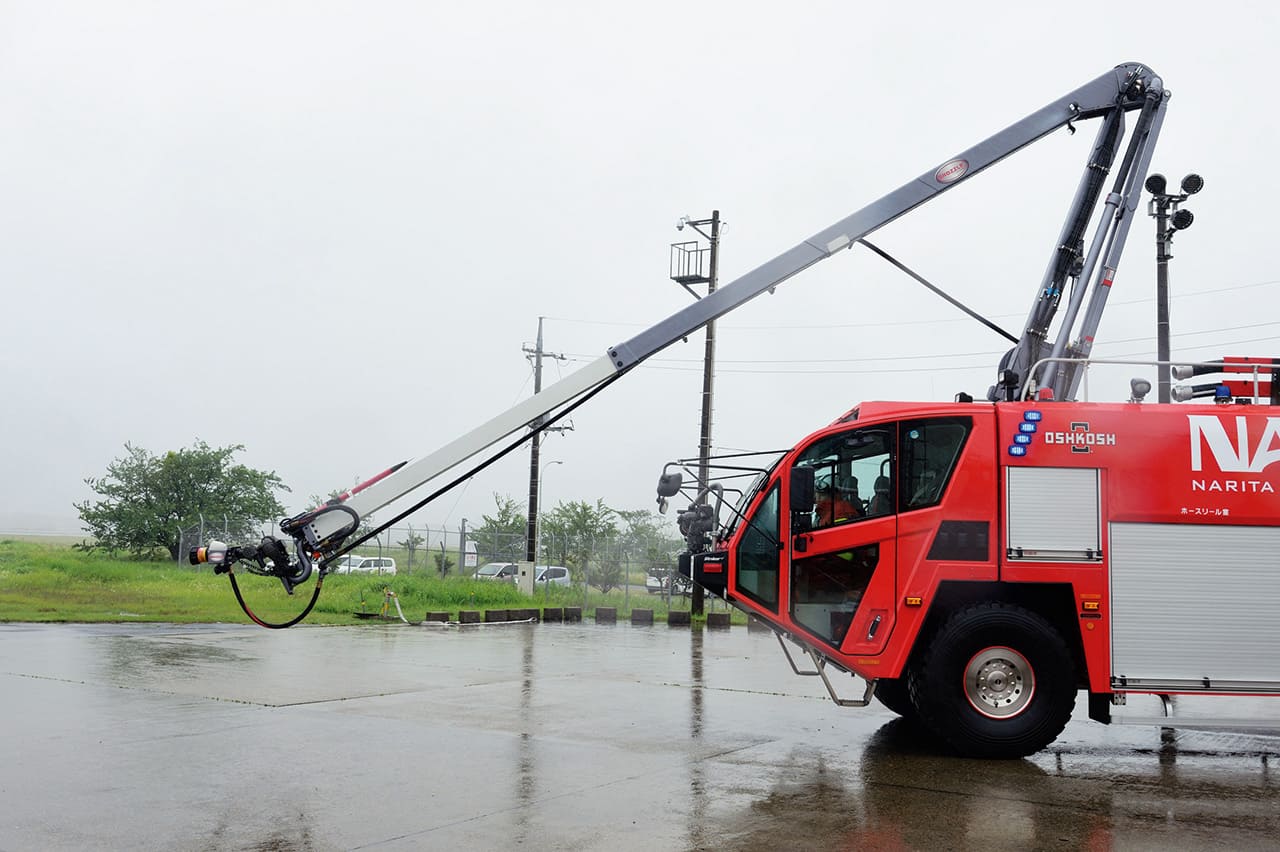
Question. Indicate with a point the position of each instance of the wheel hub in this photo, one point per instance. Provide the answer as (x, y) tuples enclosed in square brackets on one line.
[(999, 682)]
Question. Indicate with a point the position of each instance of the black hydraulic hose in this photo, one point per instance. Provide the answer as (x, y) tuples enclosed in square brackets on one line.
[(315, 596)]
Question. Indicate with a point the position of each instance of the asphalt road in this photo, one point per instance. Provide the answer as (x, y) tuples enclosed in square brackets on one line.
[(552, 737)]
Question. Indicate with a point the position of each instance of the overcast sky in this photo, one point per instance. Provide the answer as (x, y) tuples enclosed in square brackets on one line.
[(325, 230)]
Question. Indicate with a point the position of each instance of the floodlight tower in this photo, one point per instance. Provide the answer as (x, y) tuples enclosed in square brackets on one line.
[(1169, 219)]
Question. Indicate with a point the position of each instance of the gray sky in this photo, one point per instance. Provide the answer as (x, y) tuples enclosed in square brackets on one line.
[(324, 230)]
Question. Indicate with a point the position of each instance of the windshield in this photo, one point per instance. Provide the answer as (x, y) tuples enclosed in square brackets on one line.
[(491, 569)]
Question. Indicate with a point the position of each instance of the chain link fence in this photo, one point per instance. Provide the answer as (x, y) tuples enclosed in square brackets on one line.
[(453, 552)]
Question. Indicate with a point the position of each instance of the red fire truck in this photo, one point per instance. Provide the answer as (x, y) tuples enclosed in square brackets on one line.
[(976, 562), (1002, 556)]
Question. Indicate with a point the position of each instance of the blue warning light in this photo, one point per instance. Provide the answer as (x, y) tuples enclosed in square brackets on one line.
[(1027, 428), (1017, 450), (1032, 416), (1022, 439)]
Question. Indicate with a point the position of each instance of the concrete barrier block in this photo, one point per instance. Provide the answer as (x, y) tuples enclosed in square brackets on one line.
[(493, 615), (719, 620), (553, 613), (468, 616), (677, 617), (642, 616), (606, 615), (437, 616), (573, 613)]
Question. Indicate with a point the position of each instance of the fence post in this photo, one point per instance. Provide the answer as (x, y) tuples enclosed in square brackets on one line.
[(462, 546)]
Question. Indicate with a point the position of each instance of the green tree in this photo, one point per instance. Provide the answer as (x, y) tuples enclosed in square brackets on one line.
[(500, 537), (578, 530), (649, 540), (144, 500)]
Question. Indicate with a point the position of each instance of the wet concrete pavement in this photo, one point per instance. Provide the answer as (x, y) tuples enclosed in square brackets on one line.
[(552, 737)]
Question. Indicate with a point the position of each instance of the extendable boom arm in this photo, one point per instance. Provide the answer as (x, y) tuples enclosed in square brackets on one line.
[(1127, 87)]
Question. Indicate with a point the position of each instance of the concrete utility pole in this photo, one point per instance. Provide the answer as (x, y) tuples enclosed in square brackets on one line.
[(531, 528), (1164, 207), (688, 268)]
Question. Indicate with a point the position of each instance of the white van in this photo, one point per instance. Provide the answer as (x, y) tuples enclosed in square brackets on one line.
[(352, 564)]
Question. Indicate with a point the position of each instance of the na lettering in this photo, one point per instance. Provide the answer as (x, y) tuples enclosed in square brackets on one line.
[(1236, 456)]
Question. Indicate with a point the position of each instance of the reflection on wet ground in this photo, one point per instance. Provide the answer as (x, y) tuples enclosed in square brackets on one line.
[(556, 736), (899, 794)]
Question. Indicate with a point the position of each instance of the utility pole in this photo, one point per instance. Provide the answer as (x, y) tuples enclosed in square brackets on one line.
[(692, 264), (1164, 207), (536, 355)]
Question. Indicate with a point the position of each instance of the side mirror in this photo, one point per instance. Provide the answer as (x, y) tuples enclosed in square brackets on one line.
[(669, 484), (802, 488)]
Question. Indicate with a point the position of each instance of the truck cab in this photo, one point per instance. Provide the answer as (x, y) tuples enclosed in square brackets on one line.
[(894, 487)]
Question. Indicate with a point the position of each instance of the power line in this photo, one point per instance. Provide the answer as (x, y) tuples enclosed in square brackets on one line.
[(824, 371), (583, 357), (891, 323), (675, 368)]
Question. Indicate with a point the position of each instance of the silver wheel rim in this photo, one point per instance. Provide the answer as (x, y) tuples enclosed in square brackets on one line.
[(999, 682)]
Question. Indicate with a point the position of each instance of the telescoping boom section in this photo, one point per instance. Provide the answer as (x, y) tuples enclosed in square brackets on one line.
[(322, 533)]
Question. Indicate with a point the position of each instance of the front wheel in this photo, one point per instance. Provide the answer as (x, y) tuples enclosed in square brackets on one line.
[(996, 681)]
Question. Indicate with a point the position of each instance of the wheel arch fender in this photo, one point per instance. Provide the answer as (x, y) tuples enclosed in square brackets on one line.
[(1055, 602)]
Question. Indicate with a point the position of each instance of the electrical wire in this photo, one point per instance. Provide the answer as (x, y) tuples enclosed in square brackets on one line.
[(674, 364), (1111, 303)]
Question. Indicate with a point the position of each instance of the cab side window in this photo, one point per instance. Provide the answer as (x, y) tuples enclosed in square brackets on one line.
[(852, 475), (929, 452)]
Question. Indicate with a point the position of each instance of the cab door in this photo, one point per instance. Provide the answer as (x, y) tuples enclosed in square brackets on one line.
[(841, 577)]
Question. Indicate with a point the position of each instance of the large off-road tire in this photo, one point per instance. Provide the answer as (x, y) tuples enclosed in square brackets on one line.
[(894, 694), (995, 681)]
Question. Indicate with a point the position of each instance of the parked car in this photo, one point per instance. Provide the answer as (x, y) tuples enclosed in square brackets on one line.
[(352, 564), (496, 571), (683, 586), (556, 575)]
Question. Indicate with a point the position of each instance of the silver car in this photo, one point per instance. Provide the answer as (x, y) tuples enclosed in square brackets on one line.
[(555, 575), (496, 571)]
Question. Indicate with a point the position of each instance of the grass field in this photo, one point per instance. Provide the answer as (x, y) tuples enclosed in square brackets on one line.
[(40, 581)]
